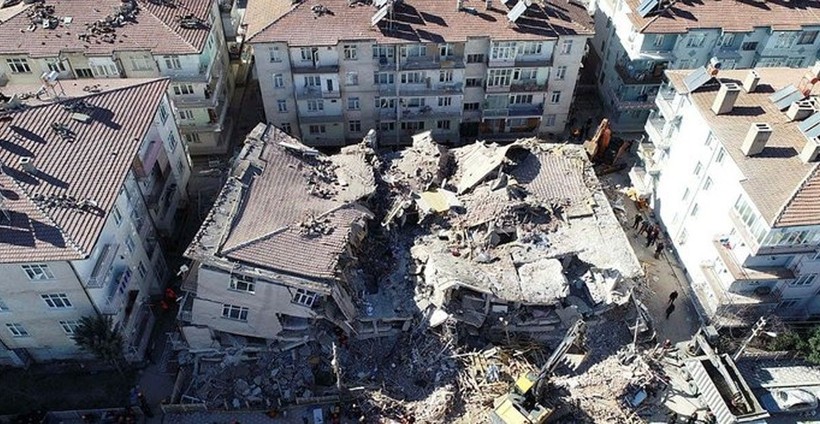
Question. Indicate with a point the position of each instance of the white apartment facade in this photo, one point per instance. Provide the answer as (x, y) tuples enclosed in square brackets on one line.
[(631, 51), (737, 191), (475, 78), (61, 261), (185, 42)]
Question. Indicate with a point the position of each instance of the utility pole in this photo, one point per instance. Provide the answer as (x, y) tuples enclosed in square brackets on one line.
[(756, 330)]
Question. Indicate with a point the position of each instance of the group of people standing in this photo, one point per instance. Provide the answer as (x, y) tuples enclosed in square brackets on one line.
[(652, 233)]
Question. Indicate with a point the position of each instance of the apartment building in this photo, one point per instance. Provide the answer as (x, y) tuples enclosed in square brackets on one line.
[(463, 69), (636, 40), (731, 167), (86, 190), (82, 39)]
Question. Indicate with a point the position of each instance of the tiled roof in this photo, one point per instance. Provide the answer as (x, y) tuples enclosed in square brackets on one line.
[(91, 166), (280, 191), (731, 16), (424, 21), (260, 14), (154, 28), (777, 181)]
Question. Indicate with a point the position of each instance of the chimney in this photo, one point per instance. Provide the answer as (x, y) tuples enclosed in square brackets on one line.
[(751, 81), (27, 164), (811, 151), (756, 138), (726, 97), (800, 110)]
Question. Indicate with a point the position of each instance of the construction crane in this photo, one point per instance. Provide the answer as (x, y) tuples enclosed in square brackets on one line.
[(524, 404)]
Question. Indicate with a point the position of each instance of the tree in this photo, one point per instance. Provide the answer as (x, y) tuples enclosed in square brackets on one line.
[(787, 341), (813, 346), (96, 334)]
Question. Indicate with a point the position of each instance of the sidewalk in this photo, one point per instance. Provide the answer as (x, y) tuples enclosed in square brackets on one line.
[(663, 275)]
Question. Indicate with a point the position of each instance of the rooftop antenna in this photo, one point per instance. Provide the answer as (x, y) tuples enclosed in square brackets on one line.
[(51, 81)]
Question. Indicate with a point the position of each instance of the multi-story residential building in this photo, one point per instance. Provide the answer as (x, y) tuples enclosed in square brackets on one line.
[(731, 167), (636, 40), (87, 188), (181, 39), (458, 68)]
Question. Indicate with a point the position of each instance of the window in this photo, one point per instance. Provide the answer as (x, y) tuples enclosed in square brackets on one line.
[(549, 120), (749, 46), (386, 103), (186, 114), (695, 40), (412, 77), (709, 139), (242, 283), (555, 97), (285, 126), (354, 126), (412, 126), (282, 106), (520, 99), (104, 70), (352, 78), (807, 37), (416, 102), (560, 72), (502, 50), (384, 78), (445, 50), (274, 54), (18, 66), (304, 297), (129, 243), (313, 81), (707, 184), (70, 327), (499, 77), (698, 168), (316, 129), (566, 47), (788, 304), (785, 40), (471, 106), (524, 74), (172, 62), (142, 63), (306, 54), (278, 81), (238, 313), (55, 65), (352, 103), (172, 141), (804, 280), (84, 73), (141, 270), (115, 213), (445, 76), (38, 272), (350, 52), (529, 48), (794, 62), (17, 329), (685, 194), (56, 301), (445, 101), (726, 39), (3, 306), (694, 210), (720, 155), (443, 125), (472, 82), (475, 58), (415, 50), (183, 89), (315, 105), (387, 126), (658, 40), (383, 52)]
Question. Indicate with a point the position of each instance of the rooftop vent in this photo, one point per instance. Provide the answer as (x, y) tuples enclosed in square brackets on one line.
[(756, 138), (787, 95), (800, 110), (751, 81), (27, 164), (811, 151), (726, 98)]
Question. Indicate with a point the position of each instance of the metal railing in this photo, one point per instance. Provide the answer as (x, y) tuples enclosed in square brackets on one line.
[(102, 266)]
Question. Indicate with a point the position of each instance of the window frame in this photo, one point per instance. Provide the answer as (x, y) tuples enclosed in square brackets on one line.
[(304, 297), (17, 330), (57, 300), (18, 65), (350, 52), (566, 47), (239, 280), (278, 81), (31, 271), (235, 312), (69, 326), (282, 106), (555, 97), (354, 103), (354, 126)]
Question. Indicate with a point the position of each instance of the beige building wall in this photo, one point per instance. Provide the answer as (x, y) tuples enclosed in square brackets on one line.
[(23, 305)]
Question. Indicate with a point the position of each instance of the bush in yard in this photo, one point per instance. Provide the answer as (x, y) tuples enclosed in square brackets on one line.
[(787, 341), (96, 334), (813, 346)]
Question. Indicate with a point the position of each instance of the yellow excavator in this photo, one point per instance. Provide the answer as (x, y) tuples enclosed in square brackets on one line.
[(524, 404)]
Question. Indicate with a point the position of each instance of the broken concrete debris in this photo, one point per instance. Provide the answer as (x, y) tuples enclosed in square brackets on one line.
[(445, 273)]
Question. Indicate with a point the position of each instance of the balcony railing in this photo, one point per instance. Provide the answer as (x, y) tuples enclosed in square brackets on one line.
[(116, 292), (521, 110), (528, 86), (638, 104), (428, 62), (523, 61), (664, 100), (316, 92), (638, 77), (387, 114), (102, 266), (203, 73), (311, 68), (655, 129)]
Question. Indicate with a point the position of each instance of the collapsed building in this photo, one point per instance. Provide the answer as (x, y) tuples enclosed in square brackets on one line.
[(512, 238)]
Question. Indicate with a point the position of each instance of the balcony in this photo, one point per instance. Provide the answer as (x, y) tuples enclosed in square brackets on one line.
[(638, 77), (116, 291), (654, 128), (523, 62), (204, 73), (726, 52), (387, 114), (195, 101), (387, 64), (427, 62), (725, 297), (646, 151), (495, 113), (431, 89), (200, 127), (102, 266), (428, 112), (526, 110), (665, 102), (527, 86), (641, 102), (311, 68), (497, 88), (739, 272), (321, 119), (317, 93)]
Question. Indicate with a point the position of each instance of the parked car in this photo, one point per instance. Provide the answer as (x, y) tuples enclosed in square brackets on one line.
[(789, 401)]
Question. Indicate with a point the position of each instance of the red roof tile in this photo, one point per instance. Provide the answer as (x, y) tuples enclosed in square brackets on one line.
[(424, 20), (91, 166), (155, 28)]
